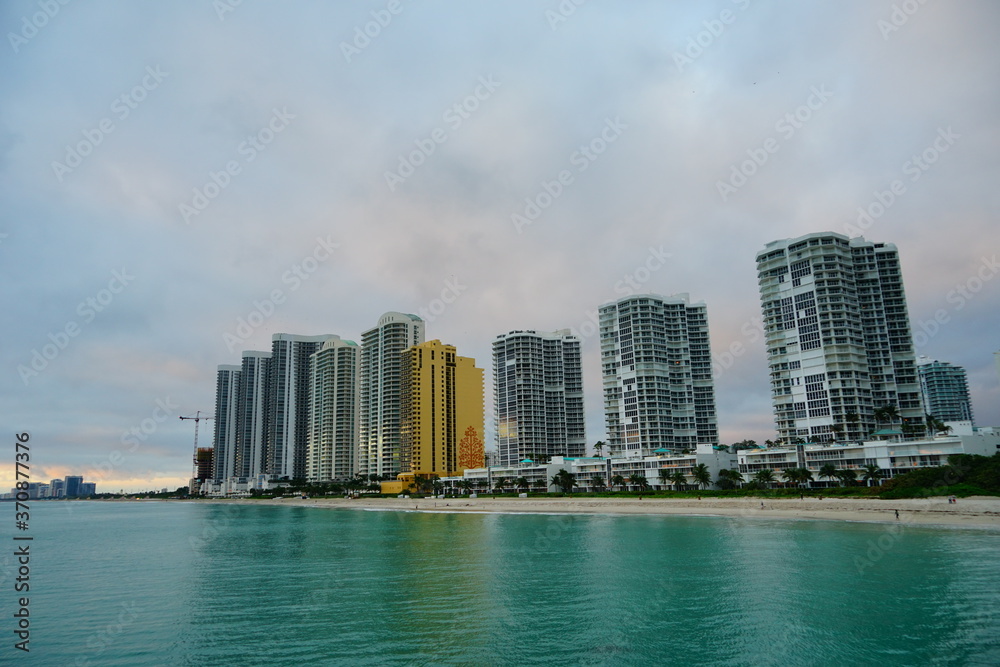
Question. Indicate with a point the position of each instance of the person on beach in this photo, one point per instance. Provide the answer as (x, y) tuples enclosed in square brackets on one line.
[(897, 515)]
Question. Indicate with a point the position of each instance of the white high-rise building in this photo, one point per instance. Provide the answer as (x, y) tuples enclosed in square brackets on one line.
[(838, 337), (538, 395), (226, 422), (251, 415), (288, 403), (945, 390), (335, 411), (656, 362), (381, 378)]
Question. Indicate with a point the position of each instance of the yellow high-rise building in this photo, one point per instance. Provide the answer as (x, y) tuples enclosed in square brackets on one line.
[(441, 421)]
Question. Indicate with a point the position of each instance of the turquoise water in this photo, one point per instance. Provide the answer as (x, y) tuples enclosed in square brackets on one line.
[(199, 584)]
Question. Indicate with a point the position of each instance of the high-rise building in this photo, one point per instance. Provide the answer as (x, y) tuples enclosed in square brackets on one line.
[(57, 488), (226, 423), (88, 489), (945, 390), (381, 377), (331, 452), (288, 404), (538, 395), (838, 337), (657, 368), (441, 411), (72, 485), (251, 415), (204, 463)]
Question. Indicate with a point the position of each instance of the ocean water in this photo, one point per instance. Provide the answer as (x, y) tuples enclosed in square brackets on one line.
[(209, 584)]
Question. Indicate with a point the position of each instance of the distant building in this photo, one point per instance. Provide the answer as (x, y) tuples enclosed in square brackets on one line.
[(203, 461), (945, 390), (538, 395), (251, 415), (335, 407), (659, 394), (288, 403), (839, 344), (381, 377), (441, 411), (226, 423), (88, 489), (73, 486), (57, 488)]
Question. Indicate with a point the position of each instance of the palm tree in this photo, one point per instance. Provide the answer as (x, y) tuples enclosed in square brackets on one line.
[(765, 477), (540, 484), (701, 475), (597, 481), (805, 476), (837, 431), (521, 483), (791, 475), (499, 483), (664, 476), (828, 471), (598, 446), (465, 485), (872, 472), (852, 419), (617, 480), (887, 413), (565, 480), (438, 486), (679, 478), (847, 476), (638, 479)]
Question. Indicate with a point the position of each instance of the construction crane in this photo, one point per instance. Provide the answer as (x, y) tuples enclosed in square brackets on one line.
[(197, 418)]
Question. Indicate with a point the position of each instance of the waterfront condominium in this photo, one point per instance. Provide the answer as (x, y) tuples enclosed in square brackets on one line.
[(331, 450), (659, 395), (945, 390), (538, 396), (441, 411), (381, 377), (226, 424), (251, 415), (839, 346), (287, 426)]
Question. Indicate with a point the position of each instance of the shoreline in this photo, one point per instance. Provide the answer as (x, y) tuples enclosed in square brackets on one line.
[(975, 511)]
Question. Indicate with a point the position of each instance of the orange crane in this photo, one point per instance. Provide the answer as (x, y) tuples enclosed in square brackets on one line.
[(197, 418)]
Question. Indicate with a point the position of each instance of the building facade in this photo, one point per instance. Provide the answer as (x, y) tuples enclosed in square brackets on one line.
[(441, 411), (381, 379), (538, 396), (945, 390), (335, 410), (251, 415), (287, 403), (838, 337), (227, 387), (659, 395)]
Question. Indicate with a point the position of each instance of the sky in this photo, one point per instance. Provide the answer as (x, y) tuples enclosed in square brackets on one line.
[(183, 180)]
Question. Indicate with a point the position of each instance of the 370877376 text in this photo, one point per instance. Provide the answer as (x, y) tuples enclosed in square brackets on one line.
[(22, 540)]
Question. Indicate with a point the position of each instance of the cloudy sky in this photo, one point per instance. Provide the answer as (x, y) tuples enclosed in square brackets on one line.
[(172, 170)]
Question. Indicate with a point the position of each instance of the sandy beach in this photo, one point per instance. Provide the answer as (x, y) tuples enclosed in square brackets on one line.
[(976, 511)]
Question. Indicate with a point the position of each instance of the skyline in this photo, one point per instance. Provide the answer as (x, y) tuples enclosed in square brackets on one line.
[(491, 168)]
